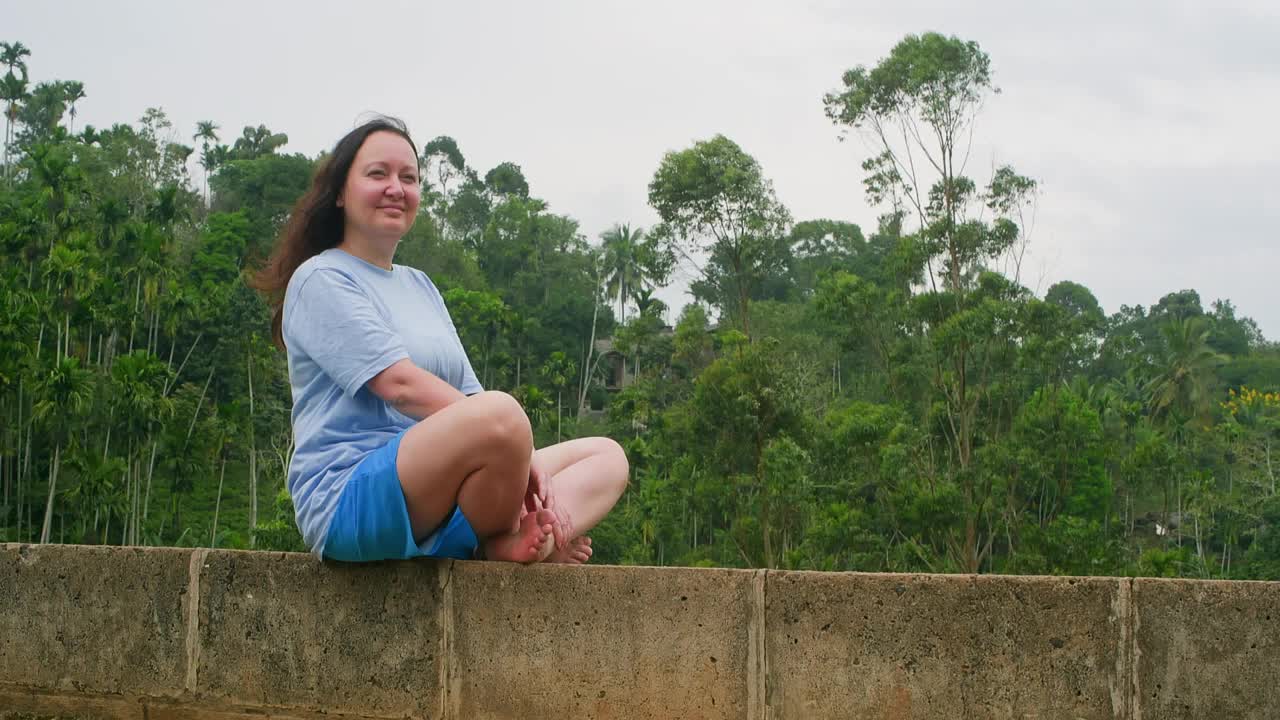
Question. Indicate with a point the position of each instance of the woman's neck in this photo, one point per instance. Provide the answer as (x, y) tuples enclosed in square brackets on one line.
[(370, 251)]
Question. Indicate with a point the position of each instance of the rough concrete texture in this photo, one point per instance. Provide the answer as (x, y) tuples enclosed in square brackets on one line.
[(52, 706), (1206, 649), (288, 631), (93, 619), (33, 705), (931, 646), (599, 642), (170, 634)]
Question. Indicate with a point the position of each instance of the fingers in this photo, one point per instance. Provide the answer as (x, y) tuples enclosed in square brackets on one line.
[(537, 487), (559, 530), (544, 487)]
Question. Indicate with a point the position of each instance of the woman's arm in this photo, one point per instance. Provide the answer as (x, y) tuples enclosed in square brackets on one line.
[(412, 390)]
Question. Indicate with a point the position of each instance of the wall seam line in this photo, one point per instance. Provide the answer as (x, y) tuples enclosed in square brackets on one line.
[(757, 663), (448, 710), (194, 569), (1133, 653)]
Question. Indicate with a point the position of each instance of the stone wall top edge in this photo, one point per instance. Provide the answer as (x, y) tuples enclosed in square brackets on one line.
[(949, 577), (11, 547), (24, 548), (1201, 582)]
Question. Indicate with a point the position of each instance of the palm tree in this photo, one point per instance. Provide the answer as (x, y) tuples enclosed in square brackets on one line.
[(1184, 382), (1180, 391), (137, 383), (74, 91), (624, 272), (63, 392), (64, 268), (95, 491), (254, 142), (12, 91), (206, 133), (557, 371), (12, 54)]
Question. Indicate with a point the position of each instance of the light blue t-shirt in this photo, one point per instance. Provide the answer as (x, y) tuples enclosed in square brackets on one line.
[(346, 320)]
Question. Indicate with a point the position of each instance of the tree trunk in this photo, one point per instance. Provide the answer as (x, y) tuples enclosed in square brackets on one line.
[(133, 324), (253, 460), (128, 494), (151, 468), (1270, 471), (185, 358), (217, 505), (53, 485), (591, 344), (135, 530)]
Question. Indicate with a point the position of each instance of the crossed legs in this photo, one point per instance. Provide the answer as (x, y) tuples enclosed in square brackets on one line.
[(476, 453)]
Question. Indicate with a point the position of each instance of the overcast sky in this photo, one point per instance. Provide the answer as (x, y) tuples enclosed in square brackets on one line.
[(1151, 129)]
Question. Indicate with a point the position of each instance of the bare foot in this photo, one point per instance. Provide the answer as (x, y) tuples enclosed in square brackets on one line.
[(575, 552), (527, 544)]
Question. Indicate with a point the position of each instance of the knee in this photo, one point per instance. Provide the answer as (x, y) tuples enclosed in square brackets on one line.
[(617, 457), (503, 422)]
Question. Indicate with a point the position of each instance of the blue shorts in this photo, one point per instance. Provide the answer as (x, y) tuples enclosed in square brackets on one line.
[(372, 520)]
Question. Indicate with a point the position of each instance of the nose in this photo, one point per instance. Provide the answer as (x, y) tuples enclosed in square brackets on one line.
[(395, 188)]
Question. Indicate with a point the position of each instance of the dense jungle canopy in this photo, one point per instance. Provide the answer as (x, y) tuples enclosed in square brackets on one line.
[(835, 397)]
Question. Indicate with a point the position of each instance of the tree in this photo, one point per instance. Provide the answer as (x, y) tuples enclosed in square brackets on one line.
[(918, 106), (74, 92), (716, 204), (557, 372), (821, 247), (42, 113), (12, 55), (257, 141), (743, 406), (13, 90), (442, 164), (1183, 386), (632, 264), (507, 179), (206, 133), (63, 391)]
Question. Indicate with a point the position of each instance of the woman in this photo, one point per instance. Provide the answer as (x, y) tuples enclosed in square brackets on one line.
[(399, 451)]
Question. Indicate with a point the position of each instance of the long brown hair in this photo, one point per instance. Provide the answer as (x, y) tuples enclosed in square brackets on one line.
[(316, 222)]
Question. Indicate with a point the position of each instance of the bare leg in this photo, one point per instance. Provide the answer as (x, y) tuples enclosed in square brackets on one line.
[(587, 477), (475, 454)]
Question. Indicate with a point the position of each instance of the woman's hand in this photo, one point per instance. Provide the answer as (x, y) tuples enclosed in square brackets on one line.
[(539, 485), (540, 496)]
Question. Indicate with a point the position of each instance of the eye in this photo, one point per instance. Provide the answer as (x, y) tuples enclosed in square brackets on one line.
[(410, 179), (377, 172)]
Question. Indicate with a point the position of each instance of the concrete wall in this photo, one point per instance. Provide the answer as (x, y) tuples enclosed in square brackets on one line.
[(170, 634)]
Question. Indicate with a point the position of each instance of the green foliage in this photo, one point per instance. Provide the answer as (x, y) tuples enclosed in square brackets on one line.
[(280, 532), (714, 200), (896, 401)]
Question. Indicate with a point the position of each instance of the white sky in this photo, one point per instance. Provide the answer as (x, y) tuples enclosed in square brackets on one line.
[(1151, 126)]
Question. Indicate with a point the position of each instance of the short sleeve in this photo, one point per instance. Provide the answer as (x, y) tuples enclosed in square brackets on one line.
[(332, 321)]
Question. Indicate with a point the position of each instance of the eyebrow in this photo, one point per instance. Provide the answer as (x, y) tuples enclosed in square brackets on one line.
[(371, 164)]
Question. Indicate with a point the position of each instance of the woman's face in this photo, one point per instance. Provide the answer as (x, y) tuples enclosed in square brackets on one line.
[(381, 195)]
